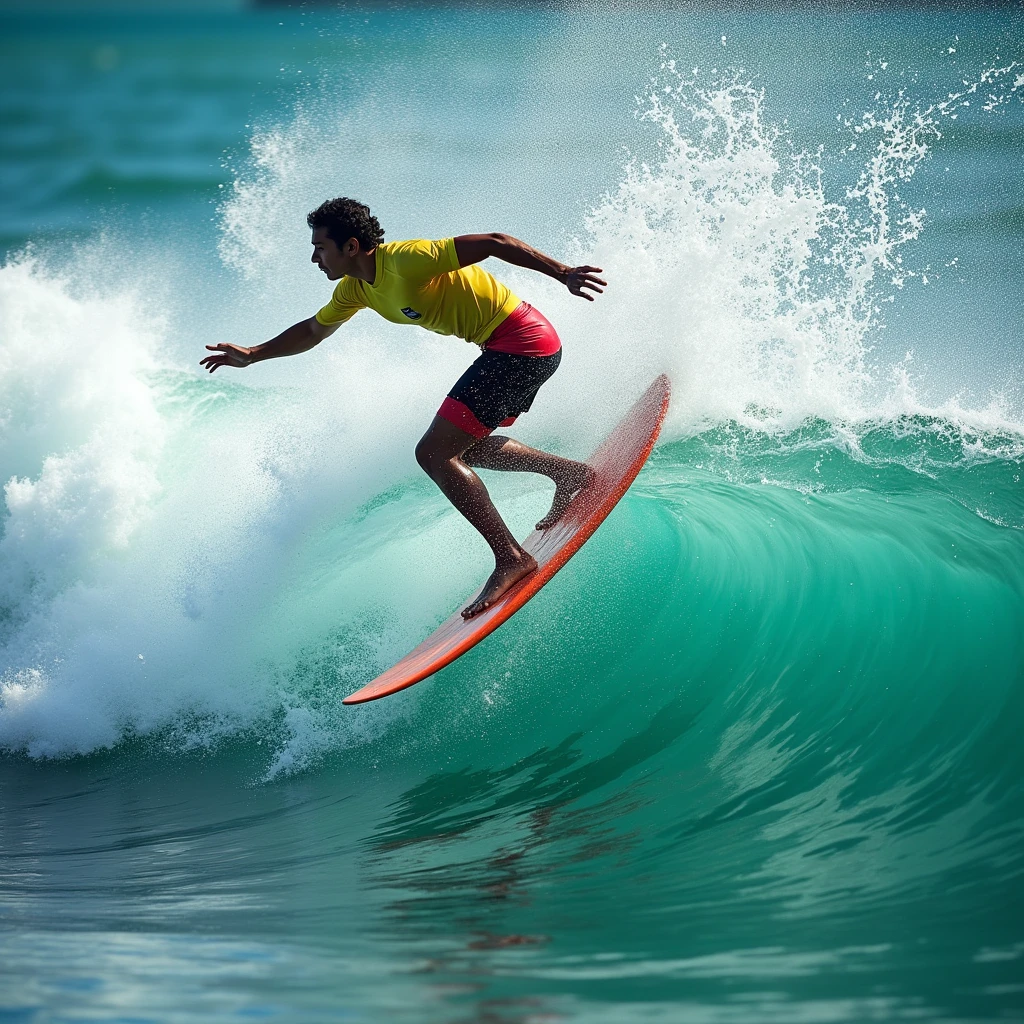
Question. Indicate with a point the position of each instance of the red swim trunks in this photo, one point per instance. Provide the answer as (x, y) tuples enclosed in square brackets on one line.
[(518, 358), (524, 332)]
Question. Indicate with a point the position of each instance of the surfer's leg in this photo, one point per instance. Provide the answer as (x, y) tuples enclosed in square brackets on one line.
[(439, 454), (492, 393), (501, 453)]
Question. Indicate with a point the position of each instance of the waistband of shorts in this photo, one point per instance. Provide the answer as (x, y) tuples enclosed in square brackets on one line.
[(524, 332)]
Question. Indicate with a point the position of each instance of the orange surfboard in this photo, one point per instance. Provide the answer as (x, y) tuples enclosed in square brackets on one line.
[(617, 462)]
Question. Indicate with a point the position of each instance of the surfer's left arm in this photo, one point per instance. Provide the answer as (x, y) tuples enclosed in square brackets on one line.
[(476, 248)]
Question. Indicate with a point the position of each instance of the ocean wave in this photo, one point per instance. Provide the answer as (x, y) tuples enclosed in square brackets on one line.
[(204, 559)]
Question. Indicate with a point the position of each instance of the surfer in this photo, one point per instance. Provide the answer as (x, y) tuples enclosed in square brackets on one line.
[(440, 286)]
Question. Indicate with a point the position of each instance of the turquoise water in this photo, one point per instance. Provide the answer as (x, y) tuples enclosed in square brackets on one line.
[(752, 756)]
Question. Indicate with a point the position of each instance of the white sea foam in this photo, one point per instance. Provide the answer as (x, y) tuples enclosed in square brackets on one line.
[(152, 524)]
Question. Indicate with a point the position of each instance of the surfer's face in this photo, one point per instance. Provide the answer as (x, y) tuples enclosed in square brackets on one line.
[(334, 260)]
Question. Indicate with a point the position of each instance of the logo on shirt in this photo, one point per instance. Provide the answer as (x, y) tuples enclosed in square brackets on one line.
[(411, 313)]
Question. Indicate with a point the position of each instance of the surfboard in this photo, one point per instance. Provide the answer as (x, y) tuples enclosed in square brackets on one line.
[(617, 461)]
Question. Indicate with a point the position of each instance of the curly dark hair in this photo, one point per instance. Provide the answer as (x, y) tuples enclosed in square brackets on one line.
[(345, 219)]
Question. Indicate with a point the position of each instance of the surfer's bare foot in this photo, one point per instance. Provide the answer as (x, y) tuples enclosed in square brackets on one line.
[(576, 477), (504, 577)]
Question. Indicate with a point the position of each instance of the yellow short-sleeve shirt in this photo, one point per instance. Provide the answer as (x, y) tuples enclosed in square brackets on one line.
[(420, 282)]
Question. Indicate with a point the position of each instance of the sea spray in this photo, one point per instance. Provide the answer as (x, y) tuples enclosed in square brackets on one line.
[(81, 434), (756, 280)]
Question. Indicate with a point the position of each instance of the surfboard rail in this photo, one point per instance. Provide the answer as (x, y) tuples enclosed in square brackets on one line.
[(617, 460)]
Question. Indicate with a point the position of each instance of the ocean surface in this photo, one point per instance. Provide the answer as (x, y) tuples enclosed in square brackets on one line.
[(754, 755)]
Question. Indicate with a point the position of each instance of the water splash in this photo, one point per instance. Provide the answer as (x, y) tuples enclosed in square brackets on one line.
[(81, 434), (752, 273)]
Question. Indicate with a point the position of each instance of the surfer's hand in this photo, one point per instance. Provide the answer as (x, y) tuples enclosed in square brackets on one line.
[(226, 355), (578, 278)]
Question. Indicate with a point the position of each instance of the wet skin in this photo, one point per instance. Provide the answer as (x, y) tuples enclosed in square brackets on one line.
[(448, 455)]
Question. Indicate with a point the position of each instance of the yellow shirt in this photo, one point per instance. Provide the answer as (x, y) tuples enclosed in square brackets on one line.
[(421, 282)]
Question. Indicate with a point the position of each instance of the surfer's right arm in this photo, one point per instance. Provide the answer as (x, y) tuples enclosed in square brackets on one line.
[(300, 337)]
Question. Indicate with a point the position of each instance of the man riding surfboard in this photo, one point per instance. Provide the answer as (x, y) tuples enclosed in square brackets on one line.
[(439, 285)]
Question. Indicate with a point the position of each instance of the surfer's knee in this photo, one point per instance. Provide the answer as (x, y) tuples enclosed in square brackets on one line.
[(428, 458), (423, 456)]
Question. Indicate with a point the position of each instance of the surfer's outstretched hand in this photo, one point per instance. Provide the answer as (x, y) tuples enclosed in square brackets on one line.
[(579, 278), (226, 355)]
